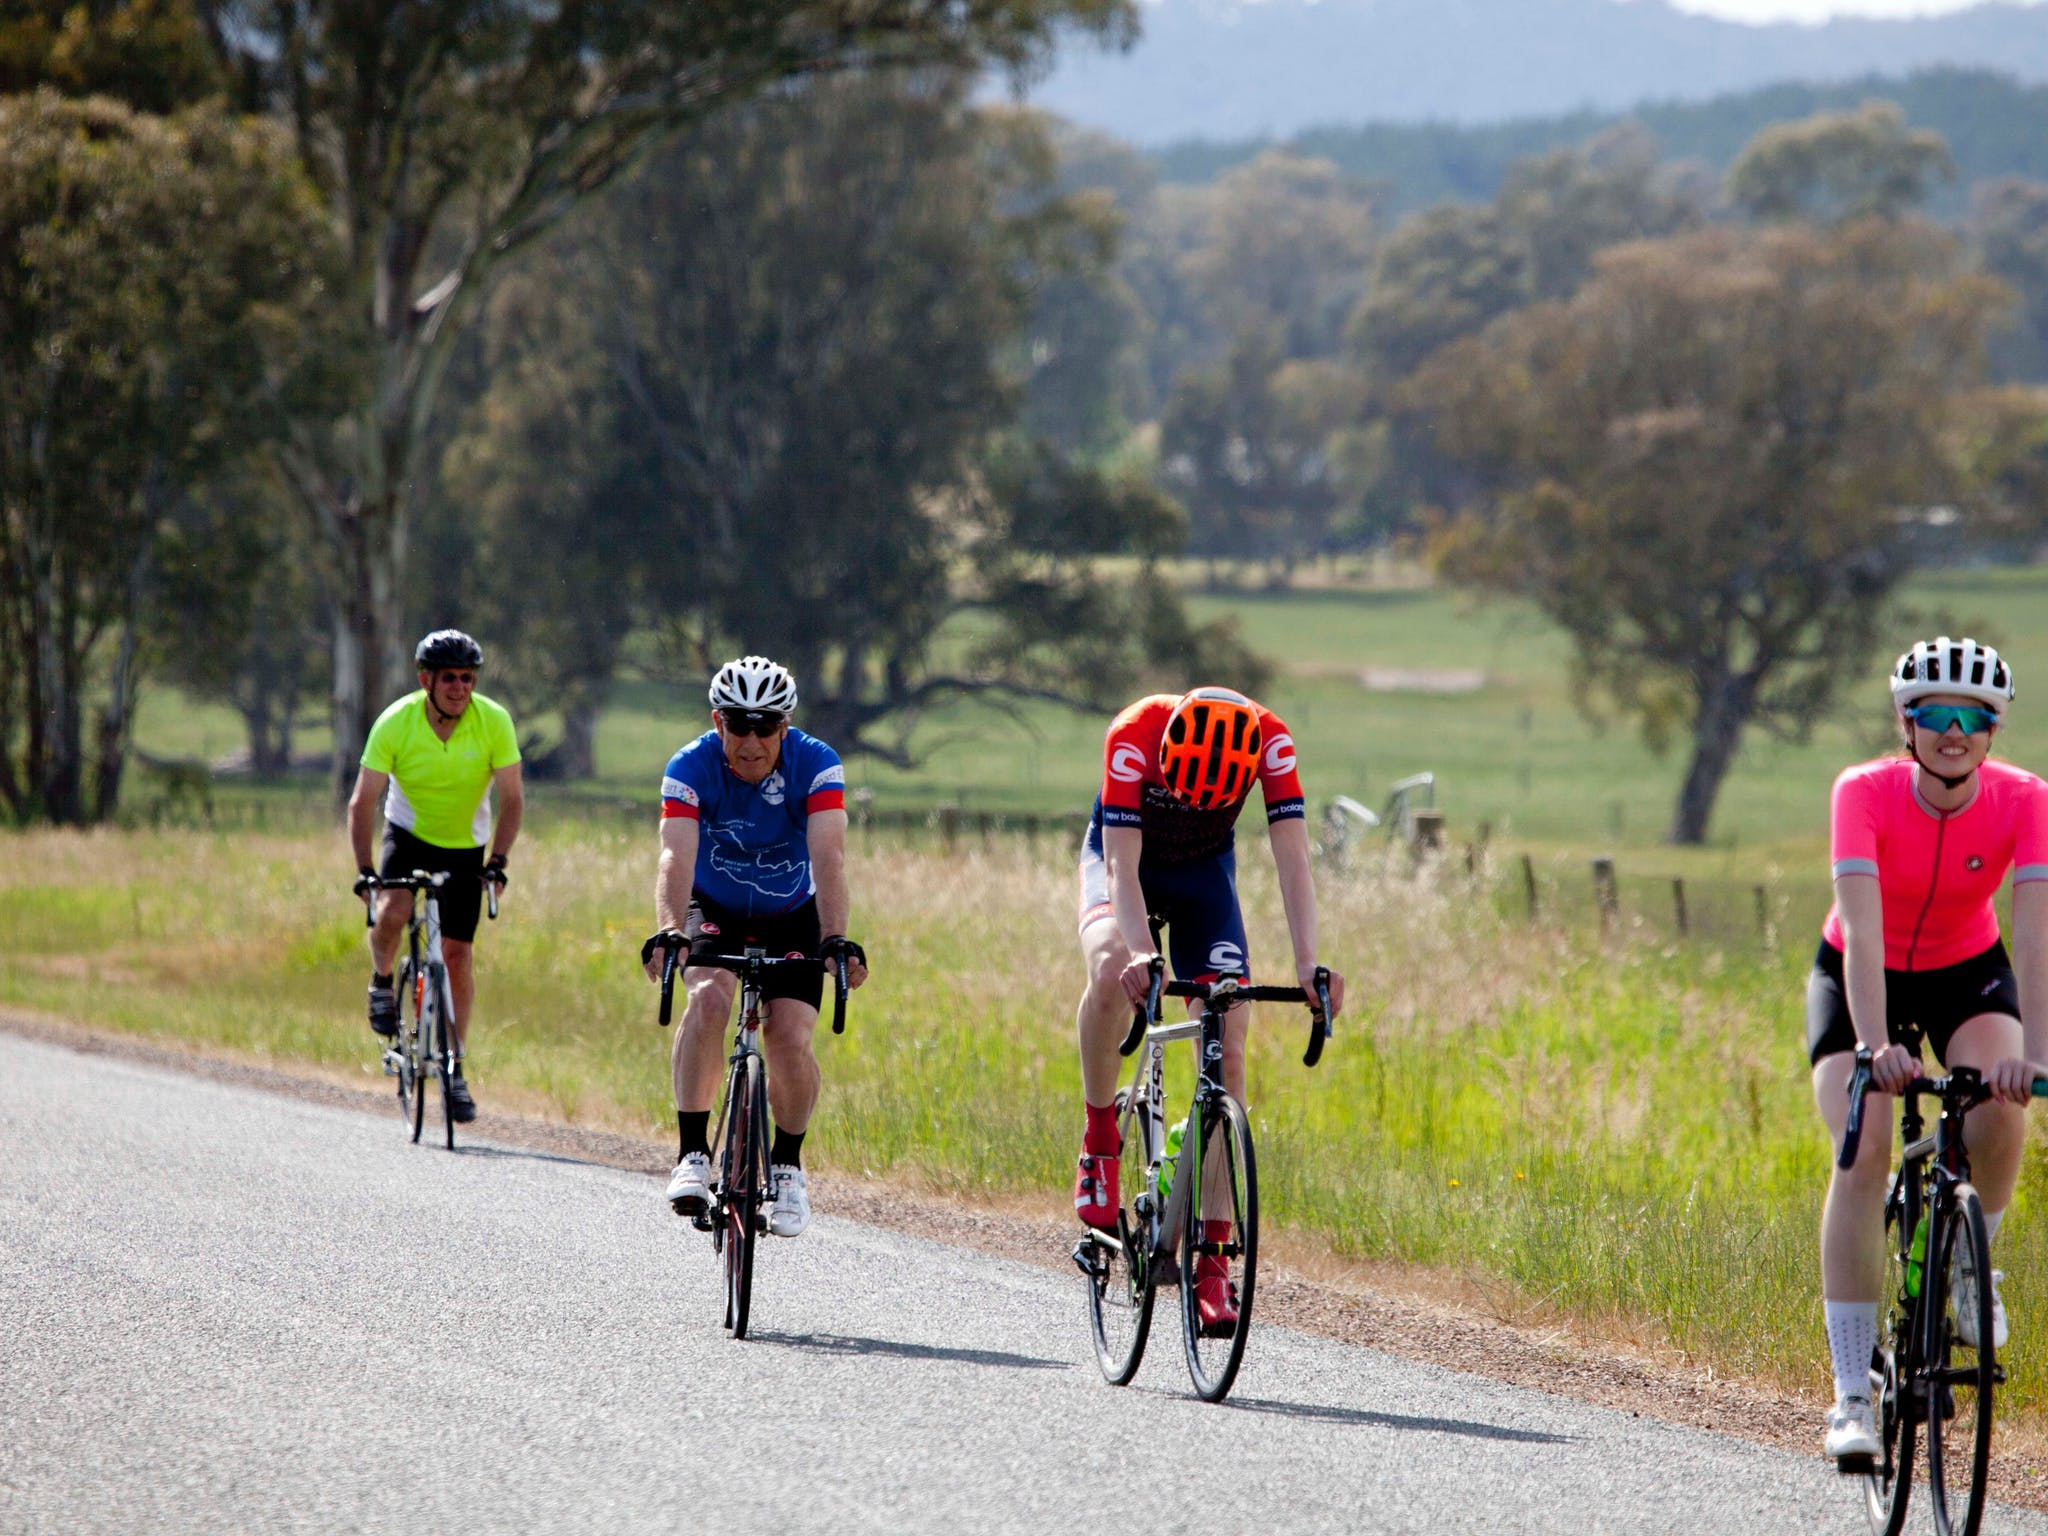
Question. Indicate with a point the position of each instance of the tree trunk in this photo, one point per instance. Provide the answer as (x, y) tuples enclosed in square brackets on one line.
[(1725, 703), (371, 658), (576, 757)]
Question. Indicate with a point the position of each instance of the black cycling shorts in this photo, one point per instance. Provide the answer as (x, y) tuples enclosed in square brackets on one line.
[(462, 899), (1935, 1002), (715, 930)]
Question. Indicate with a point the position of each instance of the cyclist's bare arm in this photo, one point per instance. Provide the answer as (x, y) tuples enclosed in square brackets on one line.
[(2030, 967), (825, 838), (363, 801), (673, 873), (1298, 896), (1862, 913), (511, 807), (1122, 848)]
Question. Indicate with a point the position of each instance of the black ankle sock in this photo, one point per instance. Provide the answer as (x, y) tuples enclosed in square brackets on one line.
[(380, 981), (693, 1132), (787, 1148)]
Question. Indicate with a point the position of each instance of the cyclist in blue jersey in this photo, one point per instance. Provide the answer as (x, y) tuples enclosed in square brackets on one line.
[(753, 852)]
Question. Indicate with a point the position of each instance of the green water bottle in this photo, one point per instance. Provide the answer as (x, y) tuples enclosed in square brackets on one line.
[(1164, 1178), (1916, 1257)]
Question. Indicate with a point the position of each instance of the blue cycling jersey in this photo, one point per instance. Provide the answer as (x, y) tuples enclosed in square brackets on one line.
[(752, 853)]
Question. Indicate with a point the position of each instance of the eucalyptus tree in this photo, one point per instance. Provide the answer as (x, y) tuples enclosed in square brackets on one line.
[(448, 135)]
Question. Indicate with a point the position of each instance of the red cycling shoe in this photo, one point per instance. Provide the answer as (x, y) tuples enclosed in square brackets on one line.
[(1215, 1297), (1095, 1191)]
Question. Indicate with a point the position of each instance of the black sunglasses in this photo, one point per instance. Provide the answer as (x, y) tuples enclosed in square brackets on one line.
[(753, 722)]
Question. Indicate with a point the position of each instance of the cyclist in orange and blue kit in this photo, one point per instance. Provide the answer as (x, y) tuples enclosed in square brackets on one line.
[(1162, 843)]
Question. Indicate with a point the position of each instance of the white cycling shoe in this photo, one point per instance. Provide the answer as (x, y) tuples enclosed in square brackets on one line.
[(792, 1212), (689, 1187), (1962, 1281), (1852, 1429)]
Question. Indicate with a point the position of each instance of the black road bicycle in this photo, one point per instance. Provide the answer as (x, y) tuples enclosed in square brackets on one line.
[(1923, 1376), (738, 1211), (1173, 1194), (426, 1005)]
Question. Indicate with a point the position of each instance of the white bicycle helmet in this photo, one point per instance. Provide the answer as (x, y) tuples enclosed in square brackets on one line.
[(1960, 667), (754, 682)]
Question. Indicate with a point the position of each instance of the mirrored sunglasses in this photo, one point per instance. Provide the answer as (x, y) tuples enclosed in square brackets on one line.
[(752, 722), (1939, 717)]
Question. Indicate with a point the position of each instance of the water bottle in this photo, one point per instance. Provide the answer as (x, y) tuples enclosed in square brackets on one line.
[(1163, 1180), (1916, 1256)]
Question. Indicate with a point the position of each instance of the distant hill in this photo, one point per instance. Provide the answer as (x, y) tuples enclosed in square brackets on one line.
[(1236, 69), (1994, 126)]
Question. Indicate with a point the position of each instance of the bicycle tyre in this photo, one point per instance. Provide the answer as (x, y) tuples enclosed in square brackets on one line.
[(1122, 1283), (1961, 1378), (418, 1038), (740, 1196), (1213, 1358), (444, 1060), (1888, 1487)]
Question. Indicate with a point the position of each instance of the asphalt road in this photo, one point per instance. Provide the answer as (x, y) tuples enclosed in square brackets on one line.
[(222, 1310)]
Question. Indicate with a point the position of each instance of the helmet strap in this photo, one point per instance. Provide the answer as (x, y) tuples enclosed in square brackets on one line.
[(1947, 781)]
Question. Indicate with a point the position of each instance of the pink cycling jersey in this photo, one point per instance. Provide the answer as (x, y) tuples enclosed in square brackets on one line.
[(1936, 871)]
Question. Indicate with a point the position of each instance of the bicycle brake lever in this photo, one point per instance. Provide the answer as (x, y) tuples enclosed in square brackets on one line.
[(1144, 1016), (1852, 1131), (1319, 1018)]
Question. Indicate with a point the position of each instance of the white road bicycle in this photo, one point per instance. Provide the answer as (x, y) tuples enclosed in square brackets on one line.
[(426, 1005)]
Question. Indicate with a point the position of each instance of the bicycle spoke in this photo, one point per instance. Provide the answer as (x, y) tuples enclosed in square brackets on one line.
[(1889, 1484), (1960, 1388), (1118, 1270), (1218, 1273)]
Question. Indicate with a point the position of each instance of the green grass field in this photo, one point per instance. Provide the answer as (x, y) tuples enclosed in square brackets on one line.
[(1613, 1129)]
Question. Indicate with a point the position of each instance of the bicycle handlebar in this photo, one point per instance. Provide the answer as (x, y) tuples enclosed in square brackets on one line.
[(1962, 1083), (1233, 990), (676, 946)]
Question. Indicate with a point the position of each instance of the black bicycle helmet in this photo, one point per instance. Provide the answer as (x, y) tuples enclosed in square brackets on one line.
[(447, 648)]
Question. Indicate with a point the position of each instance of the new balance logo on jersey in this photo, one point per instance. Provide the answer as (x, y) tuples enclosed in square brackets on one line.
[(1127, 764), (1225, 956), (676, 789), (1280, 755)]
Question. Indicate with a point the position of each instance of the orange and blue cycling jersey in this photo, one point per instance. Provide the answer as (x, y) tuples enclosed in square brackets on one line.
[(1937, 872), (1134, 792), (1188, 869)]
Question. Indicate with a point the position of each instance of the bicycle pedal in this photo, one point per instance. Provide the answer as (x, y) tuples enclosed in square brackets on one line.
[(391, 1064), (1856, 1466), (1998, 1375)]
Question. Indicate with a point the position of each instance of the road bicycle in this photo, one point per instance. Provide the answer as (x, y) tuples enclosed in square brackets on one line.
[(1186, 1199), (737, 1214), (1923, 1376), (426, 1004)]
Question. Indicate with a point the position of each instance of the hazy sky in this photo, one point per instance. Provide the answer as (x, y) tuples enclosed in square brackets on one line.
[(1820, 10)]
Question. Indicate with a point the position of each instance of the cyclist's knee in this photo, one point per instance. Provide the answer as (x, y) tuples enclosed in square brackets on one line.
[(709, 994)]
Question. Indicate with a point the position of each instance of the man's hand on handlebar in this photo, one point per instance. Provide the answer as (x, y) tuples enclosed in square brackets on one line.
[(366, 883), (1893, 1067), (654, 953), (1306, 975), (1136, 979), (836, 947)]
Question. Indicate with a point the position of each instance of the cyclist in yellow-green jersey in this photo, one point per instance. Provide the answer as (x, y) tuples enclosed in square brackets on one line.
[(434, 758)]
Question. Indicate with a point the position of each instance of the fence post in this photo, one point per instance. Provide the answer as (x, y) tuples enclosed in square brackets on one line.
[(1605, 893), (1678, 903), (984, 822), (1529, 884), (1763, 919), (949, 825)]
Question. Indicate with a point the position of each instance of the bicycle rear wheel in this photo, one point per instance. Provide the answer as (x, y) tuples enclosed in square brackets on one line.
[(1223, 1267), (740, 1192), (1888, 1486), (444, 1059), (1961, 1381), (1118, 1266)]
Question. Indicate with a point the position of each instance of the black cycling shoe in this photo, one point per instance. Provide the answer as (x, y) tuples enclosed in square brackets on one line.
[(383, 1010), (460, 1104)]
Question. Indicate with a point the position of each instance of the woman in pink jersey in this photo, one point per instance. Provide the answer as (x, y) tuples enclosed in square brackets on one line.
[(1920, 845)]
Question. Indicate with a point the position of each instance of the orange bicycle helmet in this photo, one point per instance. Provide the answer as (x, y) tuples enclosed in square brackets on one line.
[(1210, 752)]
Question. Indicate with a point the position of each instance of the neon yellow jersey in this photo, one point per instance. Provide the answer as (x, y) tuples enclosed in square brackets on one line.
[(440, 791)]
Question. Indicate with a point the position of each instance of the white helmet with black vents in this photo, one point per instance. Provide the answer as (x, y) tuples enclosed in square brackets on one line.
[(754, 682), (1962, 668)]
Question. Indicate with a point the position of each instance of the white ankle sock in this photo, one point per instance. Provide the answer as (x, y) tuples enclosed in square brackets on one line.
[(1852, 1337)]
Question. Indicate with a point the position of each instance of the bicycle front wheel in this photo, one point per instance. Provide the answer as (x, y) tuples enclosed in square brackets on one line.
[(1219, 1246), (740, 1177), (416, 1038), (1118, 1265), (1962, 1374), (1888, 1485)]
